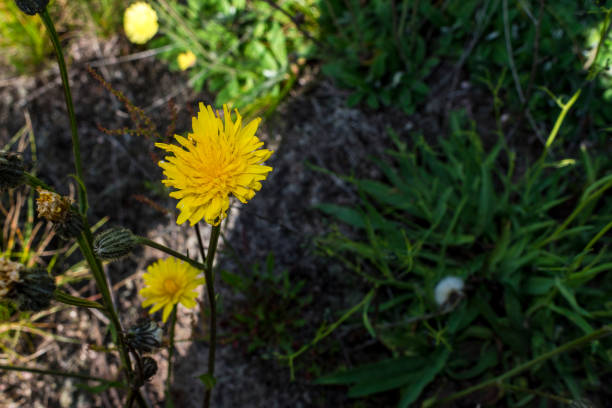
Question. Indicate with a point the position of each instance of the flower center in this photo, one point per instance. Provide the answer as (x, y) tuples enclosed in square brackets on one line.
[(170, 286)]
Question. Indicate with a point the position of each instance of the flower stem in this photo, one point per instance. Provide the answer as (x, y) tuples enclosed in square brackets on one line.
[(210, 286), (169, 251), (170, 351), (604, 331), (44, 15)]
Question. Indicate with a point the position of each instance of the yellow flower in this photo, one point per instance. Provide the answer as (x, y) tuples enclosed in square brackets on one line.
[(214, 162), (186, 60), (169, 282), (140, 22)]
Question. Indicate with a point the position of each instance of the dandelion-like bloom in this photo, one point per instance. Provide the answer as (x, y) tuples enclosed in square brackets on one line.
[(186, 60), (447, 288), (169, 282), (140, 22), (214, 162)]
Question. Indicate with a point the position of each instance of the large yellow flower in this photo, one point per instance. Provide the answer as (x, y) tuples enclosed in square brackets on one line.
[(140, 22), (169, 282), (214, 162)]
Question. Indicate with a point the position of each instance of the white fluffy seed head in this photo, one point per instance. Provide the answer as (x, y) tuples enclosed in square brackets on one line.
[(446, 288)]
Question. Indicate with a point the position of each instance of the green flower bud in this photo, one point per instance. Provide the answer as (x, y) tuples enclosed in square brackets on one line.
[(114, 243), (149, 368), (34, 290), (145, 336), (32, 7), (12, 171)]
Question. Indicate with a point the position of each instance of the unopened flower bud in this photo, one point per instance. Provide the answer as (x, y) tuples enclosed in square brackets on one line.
[(10, 273), (149, 368), (448, 290), (34, 290), (32, 7), (66, 220), (114, 243), (145, 335), (12, 172)]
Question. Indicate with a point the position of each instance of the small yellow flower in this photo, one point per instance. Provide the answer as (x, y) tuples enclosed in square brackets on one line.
[(140, 22), (213, 162), (186, 60), (168, 282)]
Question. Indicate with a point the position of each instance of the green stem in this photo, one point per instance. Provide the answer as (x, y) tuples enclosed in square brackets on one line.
[(60, 374), (169, 251), (44, 15), (85, 244), (170, 351), (535, 392), (604, 331), (210, 286)]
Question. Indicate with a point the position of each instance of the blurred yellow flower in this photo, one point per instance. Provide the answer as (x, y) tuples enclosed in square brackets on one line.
[(186, 60), (140, 22), (168, 282), (214, 162)]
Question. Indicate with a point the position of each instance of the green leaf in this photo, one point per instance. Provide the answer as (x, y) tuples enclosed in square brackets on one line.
[(344, 214), (208, 380), (435, 365), (354, 99), (277, 44), (63, 297), (486, 360), (366, 319), (573, 317), (383, 369)]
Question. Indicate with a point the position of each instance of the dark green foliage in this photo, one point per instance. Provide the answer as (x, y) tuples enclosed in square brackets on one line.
[(247, 52), (531, 247), (376, 50)]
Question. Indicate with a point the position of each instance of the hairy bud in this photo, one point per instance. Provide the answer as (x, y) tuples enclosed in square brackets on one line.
[(114, 243), (144, 336)]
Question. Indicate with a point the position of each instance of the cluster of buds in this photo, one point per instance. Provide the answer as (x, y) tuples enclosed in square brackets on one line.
[(114, 243), (144, 337), (28, 288), (66, 219)]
